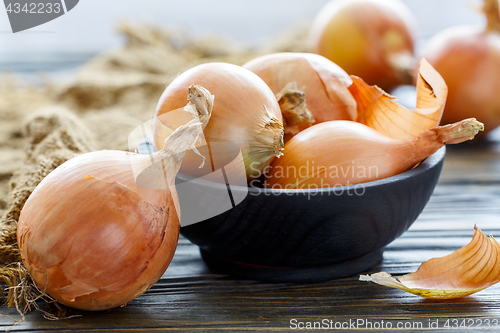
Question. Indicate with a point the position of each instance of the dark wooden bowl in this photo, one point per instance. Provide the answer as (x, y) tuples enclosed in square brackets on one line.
[(313, 235)]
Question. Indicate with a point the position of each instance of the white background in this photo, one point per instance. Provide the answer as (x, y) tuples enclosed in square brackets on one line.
[(90, 26)]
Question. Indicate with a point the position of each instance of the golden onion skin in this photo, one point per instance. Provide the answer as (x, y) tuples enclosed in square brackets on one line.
[(466, 271)]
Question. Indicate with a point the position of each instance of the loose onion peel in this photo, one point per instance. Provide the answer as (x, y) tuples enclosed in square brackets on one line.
[(468, 270), (380, 111), (468, 58)]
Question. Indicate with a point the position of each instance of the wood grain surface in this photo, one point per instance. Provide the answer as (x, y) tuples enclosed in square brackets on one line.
[(191, 298)]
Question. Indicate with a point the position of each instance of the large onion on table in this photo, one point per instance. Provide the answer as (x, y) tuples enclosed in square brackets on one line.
[(245, 112), (372, 39), (324, 84), (468, 57), (102, 228)]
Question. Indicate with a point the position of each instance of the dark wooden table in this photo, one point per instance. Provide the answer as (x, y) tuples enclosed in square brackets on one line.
[(190, 297)]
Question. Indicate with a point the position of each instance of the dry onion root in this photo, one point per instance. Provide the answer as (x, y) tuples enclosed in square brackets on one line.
[(322, 81), (245, 112), (93, 235), (373, 39), (338, 153), (468, 57), (463, 272), (380, 111)]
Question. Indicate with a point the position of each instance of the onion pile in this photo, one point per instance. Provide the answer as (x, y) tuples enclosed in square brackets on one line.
[(245, 112), (102, 228), (468, 58), (373, 39), (384, 140)]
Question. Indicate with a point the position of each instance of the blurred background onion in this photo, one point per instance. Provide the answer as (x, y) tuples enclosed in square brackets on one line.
[(63, 44)]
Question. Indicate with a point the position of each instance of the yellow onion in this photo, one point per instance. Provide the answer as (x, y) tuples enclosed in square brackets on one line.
[(372, 39), (468, 58), (381, 111), (338, 153), (322, 81), (468, 270), (102, 228), (245, 112)]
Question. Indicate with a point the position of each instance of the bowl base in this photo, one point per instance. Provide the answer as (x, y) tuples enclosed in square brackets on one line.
[(292, 274)]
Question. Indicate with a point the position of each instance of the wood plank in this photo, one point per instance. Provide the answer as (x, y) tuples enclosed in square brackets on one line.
[(474, 162), (202, 301)]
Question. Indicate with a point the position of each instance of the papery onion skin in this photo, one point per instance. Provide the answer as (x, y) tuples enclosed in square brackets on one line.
[(380, 111), (323, 82), (468, 58), (339, 153), (468, 270), (245, 112), (372, 39)]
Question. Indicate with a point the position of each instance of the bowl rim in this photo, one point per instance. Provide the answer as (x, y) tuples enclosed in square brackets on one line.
[(427, 164)]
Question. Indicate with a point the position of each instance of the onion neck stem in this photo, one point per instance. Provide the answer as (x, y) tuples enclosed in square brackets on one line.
[(296, 116), (294, 109), (431, 140), (492, 11)]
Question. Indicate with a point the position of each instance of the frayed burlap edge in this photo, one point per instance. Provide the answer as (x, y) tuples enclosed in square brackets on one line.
[(26, 296)]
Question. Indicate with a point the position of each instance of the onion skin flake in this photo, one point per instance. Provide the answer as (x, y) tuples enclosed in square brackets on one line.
[(380, 111), (466, 271)]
